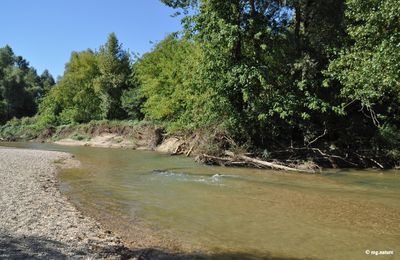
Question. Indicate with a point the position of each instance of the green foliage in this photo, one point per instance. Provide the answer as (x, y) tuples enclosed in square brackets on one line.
[(24, 128), (115, 77), (131, 102), (390, 135), (263, 65), (368, 69), (74, 98), (180, 3), (167, 77), (92, 88), (266, 85), (21, 89), (86, 131), (78, 137), (269, 73)]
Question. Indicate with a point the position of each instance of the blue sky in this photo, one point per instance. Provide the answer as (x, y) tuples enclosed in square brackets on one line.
[(45, 32)]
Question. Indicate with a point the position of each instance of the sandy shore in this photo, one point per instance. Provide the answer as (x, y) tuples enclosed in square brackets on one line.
[(169, 145), (104, 141), (37, 221)]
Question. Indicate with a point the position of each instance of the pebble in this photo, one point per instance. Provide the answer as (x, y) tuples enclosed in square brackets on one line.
[(36, 219)]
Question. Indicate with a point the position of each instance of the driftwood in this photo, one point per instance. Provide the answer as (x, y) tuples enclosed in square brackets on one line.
[(190, 151), (265, 163), (243, 160), (370, 159), (271, 165), (219, 160), (329, 157), (178, 149)]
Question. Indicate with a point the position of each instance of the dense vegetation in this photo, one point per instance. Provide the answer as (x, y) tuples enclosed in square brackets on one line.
[(95, 86), (21, 89), (281, 78)]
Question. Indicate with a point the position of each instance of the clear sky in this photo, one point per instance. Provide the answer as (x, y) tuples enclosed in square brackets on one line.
[(45, 32)]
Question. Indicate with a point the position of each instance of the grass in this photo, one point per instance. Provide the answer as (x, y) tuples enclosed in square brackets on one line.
[(25, 129), (79, 137), (19, 129)]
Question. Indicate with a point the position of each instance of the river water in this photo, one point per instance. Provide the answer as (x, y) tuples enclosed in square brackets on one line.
[(235, 212)]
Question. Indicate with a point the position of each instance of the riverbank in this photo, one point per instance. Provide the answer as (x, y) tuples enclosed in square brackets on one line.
[(207, 146), (37, 221)]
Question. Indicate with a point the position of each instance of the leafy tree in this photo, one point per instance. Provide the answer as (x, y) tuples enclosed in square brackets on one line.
[(74, 98), (7, 58), (263, 62), (20, 87), (92, 87), (368, 70), (132, 100), (246, 50), (47, 81), (167, 76), (115, 77)]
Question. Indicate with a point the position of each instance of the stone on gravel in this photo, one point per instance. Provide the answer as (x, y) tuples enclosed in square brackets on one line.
[(37, 221)]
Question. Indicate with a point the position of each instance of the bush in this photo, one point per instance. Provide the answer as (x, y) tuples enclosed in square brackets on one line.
[(20, 129)]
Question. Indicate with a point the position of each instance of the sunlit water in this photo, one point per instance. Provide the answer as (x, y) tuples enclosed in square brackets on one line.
[(334, 215)]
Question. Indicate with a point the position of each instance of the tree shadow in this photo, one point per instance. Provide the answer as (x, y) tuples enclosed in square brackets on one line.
[(155, 254), (32, 247)]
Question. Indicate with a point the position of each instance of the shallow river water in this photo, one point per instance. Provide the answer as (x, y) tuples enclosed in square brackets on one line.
[(237, 212)]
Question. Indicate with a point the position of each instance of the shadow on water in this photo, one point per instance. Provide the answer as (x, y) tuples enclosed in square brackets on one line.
[(33, 247)]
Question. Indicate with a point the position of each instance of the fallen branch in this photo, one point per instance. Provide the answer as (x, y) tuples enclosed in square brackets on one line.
[(204, 158), (271, 165), (333, 156), (226, 159), (266, 164), (178, 151), (370, 159), (190, 151)]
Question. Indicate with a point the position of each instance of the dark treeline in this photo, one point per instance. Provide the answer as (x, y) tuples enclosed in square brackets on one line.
[(279, 78), (21, 88)]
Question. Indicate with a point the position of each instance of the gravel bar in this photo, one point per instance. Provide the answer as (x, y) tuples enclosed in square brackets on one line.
[(37, 221)]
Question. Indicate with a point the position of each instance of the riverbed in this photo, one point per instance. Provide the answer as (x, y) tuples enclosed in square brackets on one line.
[(172, 204), (37, 221)]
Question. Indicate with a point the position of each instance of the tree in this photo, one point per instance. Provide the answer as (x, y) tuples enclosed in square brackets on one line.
[(115, 77), (47, 81), (20, 86), (167, 77), (92, 87), (182, 4), (368, 71), (245, 59), (74, 99)]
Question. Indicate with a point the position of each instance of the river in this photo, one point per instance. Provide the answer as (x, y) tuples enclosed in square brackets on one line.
[(234, 212)]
